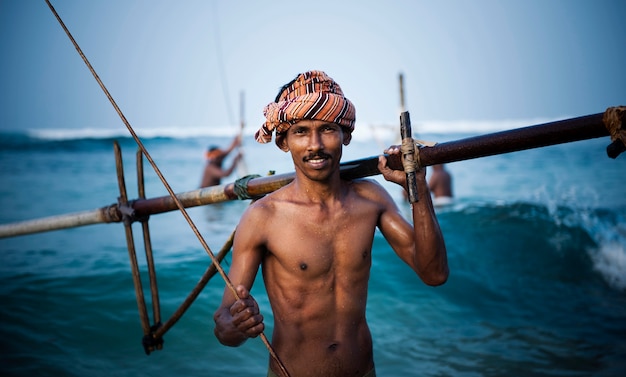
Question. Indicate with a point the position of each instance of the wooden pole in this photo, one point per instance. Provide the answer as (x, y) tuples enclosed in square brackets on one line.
[(242, 166), (107, 214), (559, 132), (553, 133), (408, 156), (401, 88)]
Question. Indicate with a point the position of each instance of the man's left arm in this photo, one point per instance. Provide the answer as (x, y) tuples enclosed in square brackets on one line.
[(422, 245), (430, 255)]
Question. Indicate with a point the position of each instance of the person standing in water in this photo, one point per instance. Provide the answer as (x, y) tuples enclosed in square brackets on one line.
[(313, 240), (440, 184), (213, 170)]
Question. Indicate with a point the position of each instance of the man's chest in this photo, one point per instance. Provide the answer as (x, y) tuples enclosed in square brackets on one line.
[(316, 245)]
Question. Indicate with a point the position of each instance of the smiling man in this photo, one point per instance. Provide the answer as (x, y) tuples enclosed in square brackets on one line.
[(313, 239)]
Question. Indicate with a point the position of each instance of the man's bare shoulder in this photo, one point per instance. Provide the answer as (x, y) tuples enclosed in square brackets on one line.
[(267, 206), (256, 221), (370, 189)]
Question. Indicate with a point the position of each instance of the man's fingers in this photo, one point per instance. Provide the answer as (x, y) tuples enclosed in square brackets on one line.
[(249, 323), (244, 305), (254, 331)]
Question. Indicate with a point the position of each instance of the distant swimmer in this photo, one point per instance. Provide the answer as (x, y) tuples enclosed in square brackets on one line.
[(440, 185), (213, 171)]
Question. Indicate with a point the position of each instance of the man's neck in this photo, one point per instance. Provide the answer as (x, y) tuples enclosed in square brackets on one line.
[(313, 191)]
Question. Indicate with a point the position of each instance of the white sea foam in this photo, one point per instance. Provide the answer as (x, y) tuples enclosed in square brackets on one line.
[(75, 133), (103, 133), (610, 261), (386, 133)]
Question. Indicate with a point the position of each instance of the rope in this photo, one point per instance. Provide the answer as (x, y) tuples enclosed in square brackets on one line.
[(241, 186), (613, 120), (408, 155), (180, 206)]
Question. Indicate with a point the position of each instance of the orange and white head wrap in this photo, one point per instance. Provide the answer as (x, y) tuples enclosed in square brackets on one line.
[(312, 95)]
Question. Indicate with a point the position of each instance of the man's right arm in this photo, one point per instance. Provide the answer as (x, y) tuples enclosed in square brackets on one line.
[(238, 318), (235, 143)]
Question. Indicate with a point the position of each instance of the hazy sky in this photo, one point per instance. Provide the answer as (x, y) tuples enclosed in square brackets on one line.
[(184, 63)]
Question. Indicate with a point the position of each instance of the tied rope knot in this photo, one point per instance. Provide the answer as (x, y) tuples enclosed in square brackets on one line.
[(241, 186), (613, 120), (411, 153)]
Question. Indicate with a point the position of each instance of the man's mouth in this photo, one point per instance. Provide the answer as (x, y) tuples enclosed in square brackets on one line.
[(317, 160)]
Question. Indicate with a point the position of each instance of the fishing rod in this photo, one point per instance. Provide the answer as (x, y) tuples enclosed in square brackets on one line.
[(542, 135)]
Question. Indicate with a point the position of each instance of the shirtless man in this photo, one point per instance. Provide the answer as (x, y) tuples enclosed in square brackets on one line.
[(313, 239), (440, 184), (213, 170)]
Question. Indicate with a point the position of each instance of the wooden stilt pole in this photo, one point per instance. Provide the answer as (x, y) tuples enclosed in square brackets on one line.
[(130, 242)]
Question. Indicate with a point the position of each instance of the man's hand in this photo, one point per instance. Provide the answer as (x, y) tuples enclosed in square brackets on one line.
[(237, 141), (396, 176), (245, 314), (240, 321)]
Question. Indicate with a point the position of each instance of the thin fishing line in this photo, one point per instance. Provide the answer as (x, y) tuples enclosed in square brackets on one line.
[(180, 206)]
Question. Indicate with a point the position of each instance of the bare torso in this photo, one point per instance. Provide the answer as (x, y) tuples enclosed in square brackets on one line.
[(440, 182), (313, 240), (316, 269), (212, 175)]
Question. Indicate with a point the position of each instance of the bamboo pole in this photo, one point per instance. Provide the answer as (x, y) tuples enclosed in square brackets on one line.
[(563, 131), (107, 214)]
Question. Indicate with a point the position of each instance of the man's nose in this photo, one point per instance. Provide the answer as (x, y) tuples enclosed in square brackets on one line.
[(315, 141)]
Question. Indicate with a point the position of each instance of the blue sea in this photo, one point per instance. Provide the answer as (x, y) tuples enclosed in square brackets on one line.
[(536, 242)]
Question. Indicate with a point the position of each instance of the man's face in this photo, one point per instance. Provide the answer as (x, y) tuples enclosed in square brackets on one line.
[(316, 147)]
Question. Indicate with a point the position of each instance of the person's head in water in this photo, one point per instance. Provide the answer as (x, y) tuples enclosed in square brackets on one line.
[(214, 154)]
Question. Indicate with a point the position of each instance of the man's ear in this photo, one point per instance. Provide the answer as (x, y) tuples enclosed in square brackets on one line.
[(281, 142), (347, 137)]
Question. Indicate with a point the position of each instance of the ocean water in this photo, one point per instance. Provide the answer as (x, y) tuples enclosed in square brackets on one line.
[(536, 243)]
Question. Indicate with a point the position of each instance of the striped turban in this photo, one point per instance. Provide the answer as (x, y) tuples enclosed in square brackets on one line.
[(312, 95)]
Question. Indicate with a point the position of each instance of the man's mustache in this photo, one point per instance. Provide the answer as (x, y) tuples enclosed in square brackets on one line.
[(316, 156)]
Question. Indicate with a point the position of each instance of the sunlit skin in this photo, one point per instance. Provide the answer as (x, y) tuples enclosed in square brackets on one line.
[(313, 239)]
